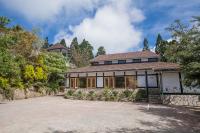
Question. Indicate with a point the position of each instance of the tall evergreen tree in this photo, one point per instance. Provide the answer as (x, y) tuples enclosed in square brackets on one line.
[(146, 45), (161, 47), (74, 43), (62, 42), (101, 51), (46, 42), (158, 43), (85, 46)]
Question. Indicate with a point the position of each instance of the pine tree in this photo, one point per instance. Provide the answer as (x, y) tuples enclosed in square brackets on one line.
[(158, 43), (62, 42), (87, 48), (101, 51), (146, 45), (46, 42), (74, 43)]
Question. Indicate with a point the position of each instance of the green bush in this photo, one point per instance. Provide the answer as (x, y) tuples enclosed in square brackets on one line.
[(4, 83), (127, 93), (91, 95), (140, 94), (78, 95)]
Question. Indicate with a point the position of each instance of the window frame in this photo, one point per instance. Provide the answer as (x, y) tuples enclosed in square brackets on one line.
[(121, 61), (108, 62), (136, 60)]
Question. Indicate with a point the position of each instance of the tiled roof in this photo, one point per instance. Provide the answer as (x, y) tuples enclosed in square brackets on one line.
[(56, 46), (134, 66), (129, 55)]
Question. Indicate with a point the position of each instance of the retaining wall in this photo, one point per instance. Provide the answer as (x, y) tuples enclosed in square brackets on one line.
[(187, 100)]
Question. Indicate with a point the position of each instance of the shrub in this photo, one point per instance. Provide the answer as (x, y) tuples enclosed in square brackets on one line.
[(69, 94), (139, 94), (4, 83), (91, 95), (107, 94), (29, 73), (127, 93), (78, 95)]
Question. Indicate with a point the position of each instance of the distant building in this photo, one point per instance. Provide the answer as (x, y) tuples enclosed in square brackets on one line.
[(59, 48)]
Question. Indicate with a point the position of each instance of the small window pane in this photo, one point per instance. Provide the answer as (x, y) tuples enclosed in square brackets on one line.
[(136, 60), (82, 82), (121, 61), (152, 59), (119, 82), (107, 62)]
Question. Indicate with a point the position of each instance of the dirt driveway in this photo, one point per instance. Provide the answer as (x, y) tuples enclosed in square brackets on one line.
[(58, 115)]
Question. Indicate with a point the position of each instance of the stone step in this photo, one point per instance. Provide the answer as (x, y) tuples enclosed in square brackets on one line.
[(156, 99)]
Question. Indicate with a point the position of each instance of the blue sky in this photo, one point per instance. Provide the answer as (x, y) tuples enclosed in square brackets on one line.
[(118, 25)]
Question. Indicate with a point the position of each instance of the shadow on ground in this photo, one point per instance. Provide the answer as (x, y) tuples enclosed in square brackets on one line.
[(177, 120)]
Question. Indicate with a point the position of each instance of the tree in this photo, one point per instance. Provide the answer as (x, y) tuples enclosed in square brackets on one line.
[(161, 47), (74, 43), (46, 42), (62, 42), (158, 43), (81, 54), (101, 51), (4, 21), (185, 50), (85, 46), (145, 44)]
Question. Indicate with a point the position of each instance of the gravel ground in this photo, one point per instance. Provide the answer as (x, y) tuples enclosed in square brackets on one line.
[(58, 115)]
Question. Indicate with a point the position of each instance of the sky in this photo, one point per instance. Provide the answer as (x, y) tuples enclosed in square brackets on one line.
[(118, 25)]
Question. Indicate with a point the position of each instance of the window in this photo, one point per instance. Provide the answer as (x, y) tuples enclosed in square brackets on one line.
[(82, 82), (95, 63), (119, 82), (73, 82), (109, 82), (121, 61), (152, 59), (99, 81), (152, 81), (91, 82), (136, 60), (107, 62), (141, 81), (131, 82)]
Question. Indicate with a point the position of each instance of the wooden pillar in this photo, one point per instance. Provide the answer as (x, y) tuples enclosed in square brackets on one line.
[(113, 79), (86, 80), (161, 84), (125, 80), (136, 78), (69, 81), (103, 81), (78, 81), (96, 80), (180, 80), (147, 88)]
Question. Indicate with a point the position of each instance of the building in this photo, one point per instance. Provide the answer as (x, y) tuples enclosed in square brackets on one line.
[(59, 48), (142, 69)]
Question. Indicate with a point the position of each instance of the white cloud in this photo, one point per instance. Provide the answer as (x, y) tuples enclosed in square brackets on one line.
[(45, 10), (111, 27)]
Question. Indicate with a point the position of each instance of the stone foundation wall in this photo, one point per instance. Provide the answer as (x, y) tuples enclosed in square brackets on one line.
[(187, 100), (22, 94)]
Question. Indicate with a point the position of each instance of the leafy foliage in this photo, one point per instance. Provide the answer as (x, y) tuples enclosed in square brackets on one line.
[(81, 53), (23, 63), (101, 51), (185, 49)]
